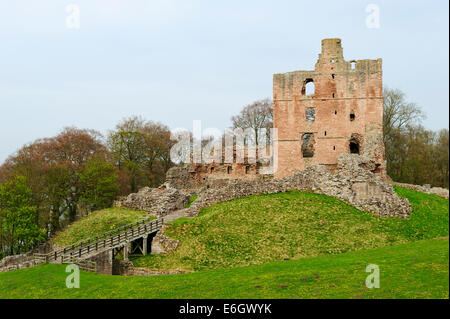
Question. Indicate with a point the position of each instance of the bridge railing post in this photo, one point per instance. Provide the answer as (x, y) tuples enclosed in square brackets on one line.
[(144, 245), (125, 251)]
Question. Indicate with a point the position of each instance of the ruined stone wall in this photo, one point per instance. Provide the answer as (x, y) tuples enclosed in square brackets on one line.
[(347, 105), (194, 177), (162, 244), (25, 260), (354, 183), (103, 261), (439, 191), (156, 201), (15, 262), (228, 163)]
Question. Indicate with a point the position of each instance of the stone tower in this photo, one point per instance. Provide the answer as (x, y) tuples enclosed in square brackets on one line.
[(335, 109)]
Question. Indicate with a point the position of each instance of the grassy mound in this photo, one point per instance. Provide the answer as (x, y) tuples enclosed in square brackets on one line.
[(430, 217), (293, 225), (97, 223), (412, 270)]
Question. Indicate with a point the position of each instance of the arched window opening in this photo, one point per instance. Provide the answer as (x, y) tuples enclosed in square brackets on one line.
[(352, 116), (352, 65), (333, 75), (308, 87)]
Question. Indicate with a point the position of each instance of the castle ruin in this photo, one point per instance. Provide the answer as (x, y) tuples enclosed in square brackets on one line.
[(335, 109)]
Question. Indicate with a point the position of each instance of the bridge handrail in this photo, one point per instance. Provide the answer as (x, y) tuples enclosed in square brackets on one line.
[(112, 235), (107, 234)]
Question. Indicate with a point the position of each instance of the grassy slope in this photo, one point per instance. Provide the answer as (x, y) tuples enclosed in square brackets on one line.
[(412, 270), (97, 223), (261, 229)]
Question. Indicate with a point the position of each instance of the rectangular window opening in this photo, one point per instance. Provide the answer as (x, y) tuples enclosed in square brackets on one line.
[(310, 114)]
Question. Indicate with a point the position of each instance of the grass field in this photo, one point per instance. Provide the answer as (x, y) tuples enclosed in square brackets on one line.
[(413, 270), (266, 228), (97, 223)]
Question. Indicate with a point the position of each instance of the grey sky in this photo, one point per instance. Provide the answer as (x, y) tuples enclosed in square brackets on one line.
[(178, 61)]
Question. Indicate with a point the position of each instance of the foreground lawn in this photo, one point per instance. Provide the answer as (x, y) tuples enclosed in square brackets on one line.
[(413, 270), (97, 223), (266, 228)]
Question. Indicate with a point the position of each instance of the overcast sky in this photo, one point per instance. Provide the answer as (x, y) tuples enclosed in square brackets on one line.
[(178, 61)]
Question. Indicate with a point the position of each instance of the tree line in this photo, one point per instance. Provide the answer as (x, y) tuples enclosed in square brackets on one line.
[(414, 154), (50, 182)]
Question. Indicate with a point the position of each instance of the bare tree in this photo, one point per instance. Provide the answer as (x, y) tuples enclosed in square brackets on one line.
[(255, 116), (397, 112)]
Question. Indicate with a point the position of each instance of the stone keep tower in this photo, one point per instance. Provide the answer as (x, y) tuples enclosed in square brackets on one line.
[(335, 109)]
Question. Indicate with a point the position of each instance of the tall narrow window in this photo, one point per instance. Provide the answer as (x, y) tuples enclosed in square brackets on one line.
[(229, 169), (352, 116), (308, 87), (247, 169), (352, 65), (308, 145)]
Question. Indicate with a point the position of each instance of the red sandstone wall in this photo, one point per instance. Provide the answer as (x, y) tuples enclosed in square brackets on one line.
[(339, 91)]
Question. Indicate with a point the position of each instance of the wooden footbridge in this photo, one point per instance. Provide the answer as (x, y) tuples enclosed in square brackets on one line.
[(118, 240)]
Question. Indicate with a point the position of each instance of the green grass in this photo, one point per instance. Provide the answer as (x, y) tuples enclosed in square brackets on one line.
[(413, 270), (266, 228), (97, 223), (430, 217), (192, 199)]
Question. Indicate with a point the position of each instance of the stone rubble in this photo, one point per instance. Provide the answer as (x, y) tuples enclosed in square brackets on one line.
[(162, 244), (156, 201), (439, 191)]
